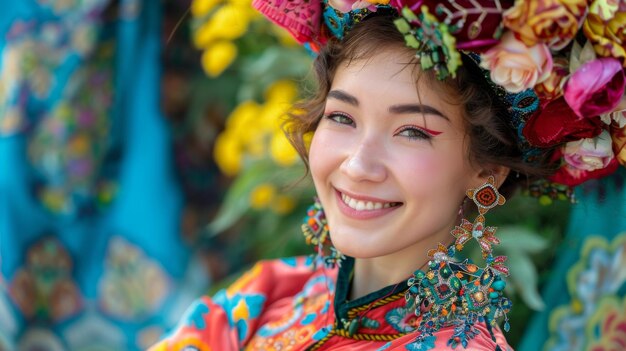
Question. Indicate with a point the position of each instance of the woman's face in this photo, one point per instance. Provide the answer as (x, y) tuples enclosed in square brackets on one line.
[(389, 167)]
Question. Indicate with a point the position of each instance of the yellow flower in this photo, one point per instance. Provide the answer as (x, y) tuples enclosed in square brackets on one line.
[(200, 8), (243, 116), (245, 125), (227, 154), (282, 91), (281, 150), (272, 116), (607, 35), (554, 22), (218, 57), (228, 22), (262, 196), (254, 143), (242, 3), (605, 9), (283, 204)]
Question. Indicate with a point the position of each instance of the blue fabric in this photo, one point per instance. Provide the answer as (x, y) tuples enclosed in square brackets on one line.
[(110, 273), (594, 241)]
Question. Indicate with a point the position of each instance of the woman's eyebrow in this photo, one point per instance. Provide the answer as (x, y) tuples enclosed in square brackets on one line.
[(343, 96), (416, 108), (395, 109)]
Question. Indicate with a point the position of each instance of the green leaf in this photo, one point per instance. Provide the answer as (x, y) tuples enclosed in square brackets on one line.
[(273, 64), (524, 279), (516, 238), (402, 25), (237, 199)]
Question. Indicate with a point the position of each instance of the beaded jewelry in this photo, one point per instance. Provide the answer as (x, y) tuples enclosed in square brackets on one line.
[(461, 294), (315, 230)]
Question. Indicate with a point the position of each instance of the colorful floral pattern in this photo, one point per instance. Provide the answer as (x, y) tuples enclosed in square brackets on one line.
[(607, 329), (128, 272), (299, 314), (402, 319), (40, 339), (594, 315), (44, 288), (63, 132), (46, 64), (90, 331)]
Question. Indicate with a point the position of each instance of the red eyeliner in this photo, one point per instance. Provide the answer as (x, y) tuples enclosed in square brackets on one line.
[(429, 131)]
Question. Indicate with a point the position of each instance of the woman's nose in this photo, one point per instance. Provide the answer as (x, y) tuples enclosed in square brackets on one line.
[(365, 163)]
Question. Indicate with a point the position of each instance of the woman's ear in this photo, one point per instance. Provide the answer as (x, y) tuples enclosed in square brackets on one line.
[(498, 172)]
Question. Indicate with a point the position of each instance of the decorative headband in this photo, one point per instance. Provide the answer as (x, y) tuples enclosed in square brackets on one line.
[(557, 65)]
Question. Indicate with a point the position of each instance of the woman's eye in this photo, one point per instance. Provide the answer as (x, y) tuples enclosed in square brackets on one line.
[(340, 118), (414, 133)]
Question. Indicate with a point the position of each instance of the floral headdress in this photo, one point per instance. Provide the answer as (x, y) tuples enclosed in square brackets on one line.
[(558, 65)]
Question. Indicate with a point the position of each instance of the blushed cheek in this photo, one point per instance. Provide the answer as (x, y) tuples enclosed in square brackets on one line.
[(433, 171), (427, 163), (320, 155)]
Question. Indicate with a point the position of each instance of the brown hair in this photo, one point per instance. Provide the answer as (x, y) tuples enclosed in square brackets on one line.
[(492, 141)]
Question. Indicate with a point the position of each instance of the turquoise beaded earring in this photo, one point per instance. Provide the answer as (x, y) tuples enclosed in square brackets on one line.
[(461, 294), (315, 230)]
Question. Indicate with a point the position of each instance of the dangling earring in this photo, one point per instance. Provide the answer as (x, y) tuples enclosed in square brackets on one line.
[(315, 230), (485, 197), (461, 294)]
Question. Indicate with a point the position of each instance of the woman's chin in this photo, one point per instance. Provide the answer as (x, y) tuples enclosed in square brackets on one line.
[(357, 249)]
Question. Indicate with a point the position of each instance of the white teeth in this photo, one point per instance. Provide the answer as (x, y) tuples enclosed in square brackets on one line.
[(364, 205)]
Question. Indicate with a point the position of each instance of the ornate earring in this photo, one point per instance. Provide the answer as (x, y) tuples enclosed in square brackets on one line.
[(315, 230), (461, 294), (485, 197)]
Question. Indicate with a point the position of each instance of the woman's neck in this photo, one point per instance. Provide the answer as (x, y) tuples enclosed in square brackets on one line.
[(373, 274)]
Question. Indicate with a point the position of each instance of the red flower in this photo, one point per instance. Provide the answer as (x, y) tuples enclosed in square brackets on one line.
[(556, 123)]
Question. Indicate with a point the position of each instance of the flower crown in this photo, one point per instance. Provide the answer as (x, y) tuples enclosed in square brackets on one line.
[(557, 65)]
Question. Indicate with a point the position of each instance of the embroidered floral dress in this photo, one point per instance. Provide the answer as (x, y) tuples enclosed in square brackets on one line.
[(287, 305)]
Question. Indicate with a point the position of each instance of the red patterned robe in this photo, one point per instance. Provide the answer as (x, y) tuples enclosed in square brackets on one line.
[(287, 305)]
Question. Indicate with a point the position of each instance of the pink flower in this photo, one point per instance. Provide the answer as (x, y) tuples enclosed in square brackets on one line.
[(349, 5), (571, 176), (589, 154), (595, 88), (515, 66)]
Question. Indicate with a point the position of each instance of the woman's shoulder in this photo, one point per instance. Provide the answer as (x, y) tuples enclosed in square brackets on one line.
[(277, 278)]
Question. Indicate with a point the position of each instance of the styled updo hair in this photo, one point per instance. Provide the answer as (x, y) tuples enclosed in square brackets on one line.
[(492, 140)]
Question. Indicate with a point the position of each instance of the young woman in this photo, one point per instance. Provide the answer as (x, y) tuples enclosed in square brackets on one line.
[(399, 158)]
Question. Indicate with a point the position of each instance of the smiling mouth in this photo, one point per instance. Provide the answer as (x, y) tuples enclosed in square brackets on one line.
[(366, 205)]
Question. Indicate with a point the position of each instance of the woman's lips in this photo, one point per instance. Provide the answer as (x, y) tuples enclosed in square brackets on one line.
[(359, 208)]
